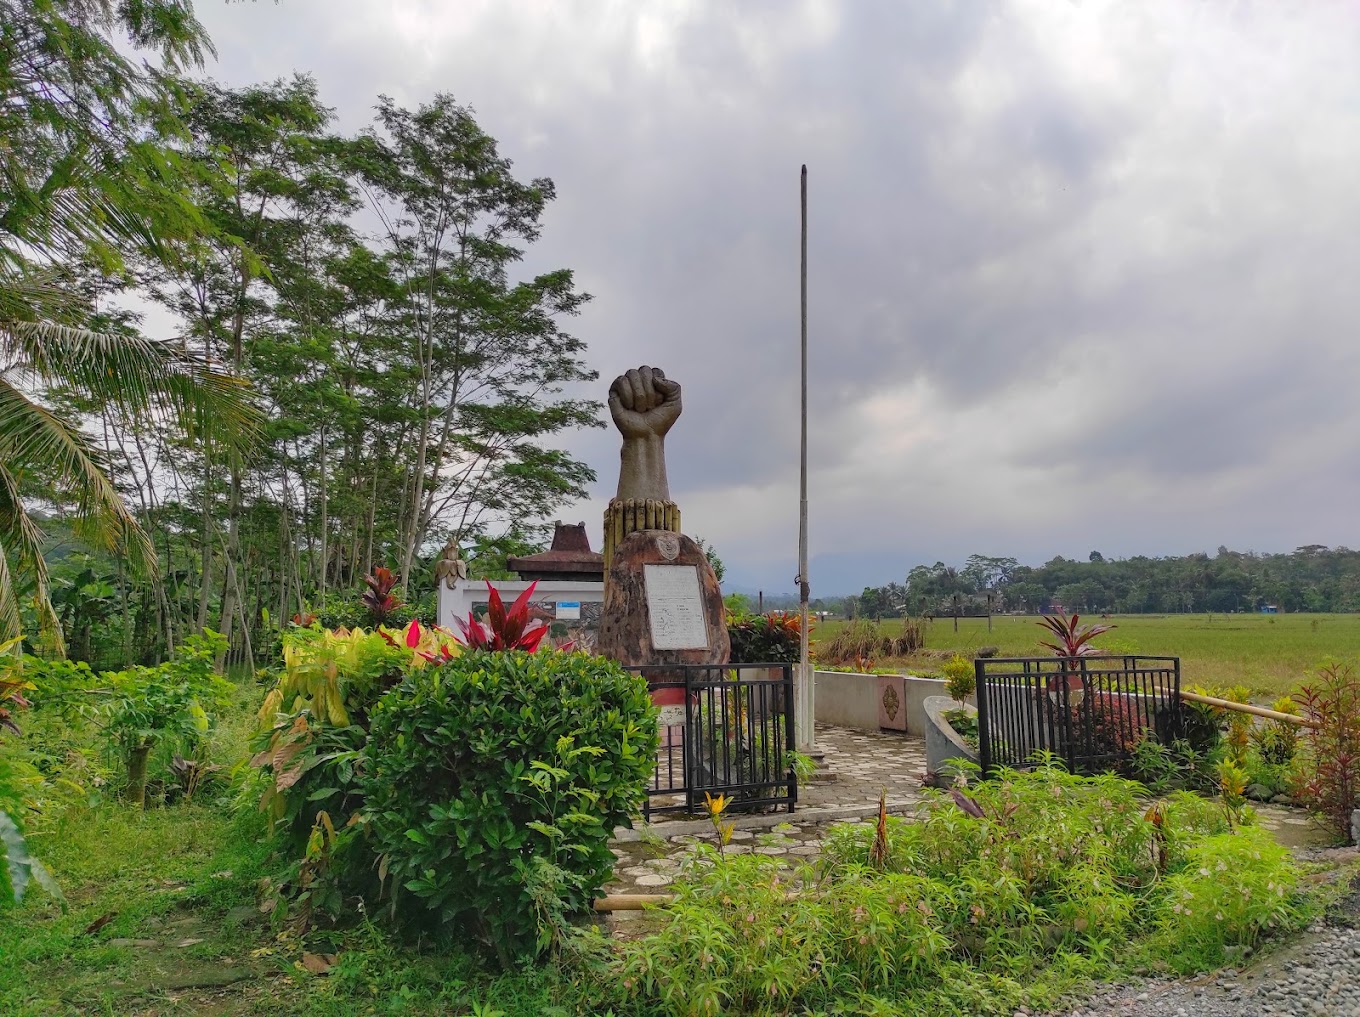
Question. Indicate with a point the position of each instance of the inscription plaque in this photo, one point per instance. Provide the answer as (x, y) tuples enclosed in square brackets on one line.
[(672, 715), (675, 607)]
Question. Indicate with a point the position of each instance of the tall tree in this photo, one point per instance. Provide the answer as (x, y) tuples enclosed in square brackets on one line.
[(267, 186), (488, 357), (365, 350)]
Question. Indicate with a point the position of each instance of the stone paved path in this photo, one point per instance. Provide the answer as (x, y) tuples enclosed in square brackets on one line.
[(867, 763), (863, 765)]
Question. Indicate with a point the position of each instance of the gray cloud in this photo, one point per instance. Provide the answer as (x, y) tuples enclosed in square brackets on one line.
[(1058, 250)]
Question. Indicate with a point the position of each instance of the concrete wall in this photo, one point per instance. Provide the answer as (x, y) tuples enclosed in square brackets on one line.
[(847, 700), (456, 603), (851, 700)]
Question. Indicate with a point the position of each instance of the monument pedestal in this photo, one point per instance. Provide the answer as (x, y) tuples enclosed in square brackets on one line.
[(662, 604)]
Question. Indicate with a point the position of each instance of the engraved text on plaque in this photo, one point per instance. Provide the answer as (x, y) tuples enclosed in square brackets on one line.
[(675, 607)]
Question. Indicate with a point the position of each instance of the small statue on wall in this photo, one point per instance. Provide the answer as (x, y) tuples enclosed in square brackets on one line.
[(450, 568)]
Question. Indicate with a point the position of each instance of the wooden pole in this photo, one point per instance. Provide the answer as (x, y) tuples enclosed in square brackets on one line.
[(805, 701), (631, 901), (642, 901), (1255, 711)]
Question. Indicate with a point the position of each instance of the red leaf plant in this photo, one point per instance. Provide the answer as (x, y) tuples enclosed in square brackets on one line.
[(502, 630), (430, 644), (11, 692), (1328, 781), (12, 686), (379, 598), (1116, 725), (1073, 639)]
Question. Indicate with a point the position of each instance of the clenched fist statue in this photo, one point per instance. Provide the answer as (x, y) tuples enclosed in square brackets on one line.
[(644, 404)]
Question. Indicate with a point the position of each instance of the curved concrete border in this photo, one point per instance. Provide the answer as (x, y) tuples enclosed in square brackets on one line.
[(943, 743)]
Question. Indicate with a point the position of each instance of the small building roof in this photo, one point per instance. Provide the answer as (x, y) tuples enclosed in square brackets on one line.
[(570, 557)]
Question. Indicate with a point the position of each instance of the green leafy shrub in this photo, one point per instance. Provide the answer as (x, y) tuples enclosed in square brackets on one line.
[(1277, 741), (734, 942), (1232, 889), (1153, 765), (57, 759), (960, 677), (1005, 897), (312, 729), (1038, 822), (772, 638), (18, 866), (493, 783), (13, 684), (1239, 725), (1202, 724), (347, 610), (1162, 768), (169, 704)]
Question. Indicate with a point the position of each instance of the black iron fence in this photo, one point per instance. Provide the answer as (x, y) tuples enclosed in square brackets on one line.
[(1090, 711), (725, 730)]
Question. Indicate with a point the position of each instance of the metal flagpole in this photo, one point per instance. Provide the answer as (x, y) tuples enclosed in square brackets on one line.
[(806, 697)]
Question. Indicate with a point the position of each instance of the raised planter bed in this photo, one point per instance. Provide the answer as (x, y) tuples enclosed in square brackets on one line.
[(944, 746)]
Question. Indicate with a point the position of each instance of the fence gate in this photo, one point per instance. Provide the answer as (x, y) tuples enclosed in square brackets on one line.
[(1090, 711), (725, 729)]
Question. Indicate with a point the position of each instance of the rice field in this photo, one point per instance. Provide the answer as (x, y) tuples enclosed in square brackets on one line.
[(1269, 654)]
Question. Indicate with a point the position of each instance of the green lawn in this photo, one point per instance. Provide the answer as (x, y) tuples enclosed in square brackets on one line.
[(1270, 654), (176, 893), (183, 885)]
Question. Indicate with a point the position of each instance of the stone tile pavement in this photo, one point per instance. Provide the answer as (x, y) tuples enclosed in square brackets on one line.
[(866, 764), (856, 768)]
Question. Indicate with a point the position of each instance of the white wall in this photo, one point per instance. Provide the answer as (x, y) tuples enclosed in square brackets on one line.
[(851, 700), (456, 603)]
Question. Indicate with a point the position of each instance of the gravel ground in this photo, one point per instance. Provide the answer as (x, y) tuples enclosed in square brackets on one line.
[(1317, 975), (1320, 975)]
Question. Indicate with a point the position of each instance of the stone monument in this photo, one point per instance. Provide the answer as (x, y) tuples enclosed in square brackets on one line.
[(662, 603)]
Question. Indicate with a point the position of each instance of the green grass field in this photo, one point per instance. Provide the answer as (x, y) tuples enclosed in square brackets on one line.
[(1270, 654)]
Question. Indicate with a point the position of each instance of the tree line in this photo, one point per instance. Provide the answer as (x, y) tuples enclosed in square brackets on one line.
[(1312, 578), (402, 384)]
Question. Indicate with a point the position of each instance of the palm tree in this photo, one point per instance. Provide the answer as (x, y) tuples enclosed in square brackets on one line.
[(84, 183), (41, 449)]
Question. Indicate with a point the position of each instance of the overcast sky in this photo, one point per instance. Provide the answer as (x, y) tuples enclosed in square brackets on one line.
[(1084, 275)]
